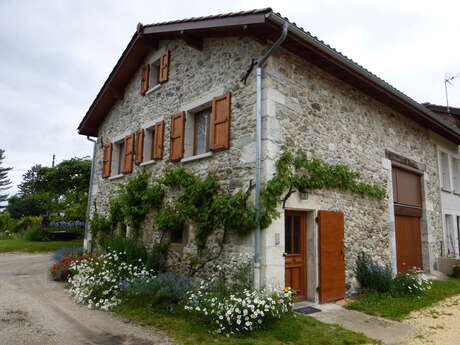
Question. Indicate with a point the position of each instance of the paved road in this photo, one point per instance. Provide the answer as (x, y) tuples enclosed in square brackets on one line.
[(35, 310)]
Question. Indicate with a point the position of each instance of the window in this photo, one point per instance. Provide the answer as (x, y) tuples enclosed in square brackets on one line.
[(155, 73), (201, 132), (120, 156), (445, 173), (456, 174), (177, 236), (450, 235)]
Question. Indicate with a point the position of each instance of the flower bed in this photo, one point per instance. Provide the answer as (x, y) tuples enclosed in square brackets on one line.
[(242, 312), (97, 280)]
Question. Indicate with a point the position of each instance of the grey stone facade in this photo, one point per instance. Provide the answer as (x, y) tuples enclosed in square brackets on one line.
[(303, 107)]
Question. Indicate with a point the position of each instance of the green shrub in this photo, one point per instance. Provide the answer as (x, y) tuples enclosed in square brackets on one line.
[(36, 233), (372, 276), (411, 283), (134, 250)]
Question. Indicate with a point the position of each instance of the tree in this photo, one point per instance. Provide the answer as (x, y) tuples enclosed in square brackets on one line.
[(5, 183), (62, 189)]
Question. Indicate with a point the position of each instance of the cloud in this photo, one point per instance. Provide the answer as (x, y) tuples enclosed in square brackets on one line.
[(57, 54)]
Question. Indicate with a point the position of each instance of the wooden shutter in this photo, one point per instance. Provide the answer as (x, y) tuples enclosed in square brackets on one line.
[(164, 67), (331, 256), (139, 147), (220, 122), (107, 161), (176, 150), (158, 139), (129, 153), (145, 79)]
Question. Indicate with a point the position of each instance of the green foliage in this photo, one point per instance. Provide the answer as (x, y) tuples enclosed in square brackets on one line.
[(59, 190), (36, 234), (134, 250), (372, 276), (134, 200), (168, 220), (6, 222), (99, 224), (299, 171), (5, 183)]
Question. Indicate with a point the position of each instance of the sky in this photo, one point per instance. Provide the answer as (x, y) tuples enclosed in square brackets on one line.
[(55, 56)]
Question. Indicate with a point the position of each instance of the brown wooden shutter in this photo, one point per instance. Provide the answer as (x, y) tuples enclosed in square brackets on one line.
[(139, 147), (331, 256), (129, 153), (107, 161), (145, 79), (157, 149), (164, 67), (220, 122), (176, 150)]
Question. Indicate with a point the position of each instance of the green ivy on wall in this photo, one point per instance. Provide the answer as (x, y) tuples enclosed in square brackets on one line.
[(203, 202)]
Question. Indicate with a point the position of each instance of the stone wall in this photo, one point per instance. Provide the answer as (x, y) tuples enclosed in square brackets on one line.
[(308, 109), (193, 75)]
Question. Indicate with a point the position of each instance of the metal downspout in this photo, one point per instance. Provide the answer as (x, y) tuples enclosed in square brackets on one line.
[(259, 71), (87, 242)]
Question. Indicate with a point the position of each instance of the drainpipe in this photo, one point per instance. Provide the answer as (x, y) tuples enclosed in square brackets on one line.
[(259, 71), (87, 242)]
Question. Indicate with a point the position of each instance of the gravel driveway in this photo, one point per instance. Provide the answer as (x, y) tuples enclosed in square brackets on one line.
[(35, 310)]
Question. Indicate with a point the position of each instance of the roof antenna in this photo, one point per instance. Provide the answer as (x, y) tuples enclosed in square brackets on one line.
[(448, 80)]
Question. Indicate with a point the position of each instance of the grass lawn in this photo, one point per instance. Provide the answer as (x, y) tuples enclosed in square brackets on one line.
[(292, 330), (397, 308), (20, 245)]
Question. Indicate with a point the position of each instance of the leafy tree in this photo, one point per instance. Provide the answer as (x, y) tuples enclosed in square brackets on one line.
[(5, 183), (62, 189)]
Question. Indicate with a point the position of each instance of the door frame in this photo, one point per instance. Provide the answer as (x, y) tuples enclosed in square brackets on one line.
[(304, 248)]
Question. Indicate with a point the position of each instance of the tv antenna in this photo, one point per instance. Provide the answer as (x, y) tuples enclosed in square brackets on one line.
[(448, 80)]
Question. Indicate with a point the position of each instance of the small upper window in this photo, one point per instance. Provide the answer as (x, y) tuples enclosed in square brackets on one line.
[(154, 74), (456, 174), (201, 131), (445, 172)]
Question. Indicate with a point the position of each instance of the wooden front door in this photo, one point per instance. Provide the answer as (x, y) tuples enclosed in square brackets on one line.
[(295, 229), (407, 195), (331, 256)]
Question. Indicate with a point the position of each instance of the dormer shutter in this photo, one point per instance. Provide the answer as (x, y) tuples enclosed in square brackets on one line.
[(107, 161), (145, 79), (164, 67)]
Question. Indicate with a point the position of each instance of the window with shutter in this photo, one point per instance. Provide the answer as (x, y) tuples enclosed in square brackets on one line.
[(456, 174), (158, 139), (145, 79), (164, 67), (445, 171), (139, 154), (128, 154), (220, 122), (176, 151), (107, 161)]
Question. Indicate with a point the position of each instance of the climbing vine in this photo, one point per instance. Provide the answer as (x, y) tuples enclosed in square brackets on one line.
[(209, 206)]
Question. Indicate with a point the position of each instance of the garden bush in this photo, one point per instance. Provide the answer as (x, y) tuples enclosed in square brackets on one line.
[(133, 250), (63, 258), (97, 280), (372, 276), (411, 283), (36, 233), (241, 312), (165, 291)]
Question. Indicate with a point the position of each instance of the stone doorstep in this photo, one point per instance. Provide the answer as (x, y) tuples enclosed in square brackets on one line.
[(389, 332)]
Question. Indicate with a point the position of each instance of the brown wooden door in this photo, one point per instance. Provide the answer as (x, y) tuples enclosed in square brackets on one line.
[(331, 256), (407, 194), (295, 276), (408, 243)]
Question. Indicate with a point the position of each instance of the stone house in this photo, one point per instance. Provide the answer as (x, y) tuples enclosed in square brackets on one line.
[(184, 94), (449, 182)]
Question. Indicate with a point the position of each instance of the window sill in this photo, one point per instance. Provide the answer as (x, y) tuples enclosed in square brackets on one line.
[(115, 177), (457, 192), (444, 189), (153, 89), (196, 157), (143, 164)]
